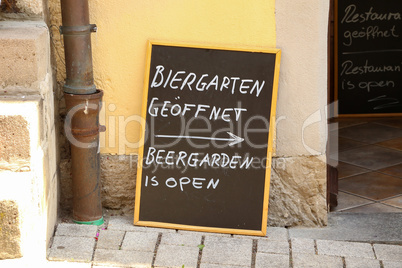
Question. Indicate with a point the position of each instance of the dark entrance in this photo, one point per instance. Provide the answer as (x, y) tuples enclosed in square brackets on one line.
[(364, 152)]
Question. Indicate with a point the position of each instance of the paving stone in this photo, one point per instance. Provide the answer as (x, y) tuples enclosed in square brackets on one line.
[(182, 239), (303, 245), (346, 249), (269, 246), (212, 265), (243, 236), (309, 260), (126, 223), (72, 248), (176, 256), (123, 258), (352, 262), (77, 230), (211, 234), (227, 251), (105, 266), (277, 233), (110, 239), (388, 252), (392, 264), (213, 239), (141, 241), (264, 260)]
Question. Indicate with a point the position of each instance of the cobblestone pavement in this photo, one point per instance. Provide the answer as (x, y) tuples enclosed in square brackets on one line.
[(118, 243)]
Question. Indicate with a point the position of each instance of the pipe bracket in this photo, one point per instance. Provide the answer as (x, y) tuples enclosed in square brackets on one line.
[(78, 30), (85, 131)]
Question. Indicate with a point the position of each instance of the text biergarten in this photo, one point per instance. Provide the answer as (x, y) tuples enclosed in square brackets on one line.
[(207, 140)]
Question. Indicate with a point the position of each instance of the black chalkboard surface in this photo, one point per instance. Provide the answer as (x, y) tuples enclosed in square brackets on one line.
[(368, 57), (209, 116)]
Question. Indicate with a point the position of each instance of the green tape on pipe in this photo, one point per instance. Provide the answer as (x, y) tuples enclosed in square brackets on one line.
[(97, 222)]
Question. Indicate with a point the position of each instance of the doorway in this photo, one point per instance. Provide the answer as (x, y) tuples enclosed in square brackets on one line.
[(365, 153), (369, 165)]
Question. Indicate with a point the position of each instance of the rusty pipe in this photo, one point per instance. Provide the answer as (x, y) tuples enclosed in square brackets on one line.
[(76, 32), (82, 130), (83, 103)]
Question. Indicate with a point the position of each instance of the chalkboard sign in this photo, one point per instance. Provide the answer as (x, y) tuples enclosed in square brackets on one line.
[(206, 158), (368, 57)]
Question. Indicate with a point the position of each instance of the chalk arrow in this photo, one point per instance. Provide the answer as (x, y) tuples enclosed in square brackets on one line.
[(233, 138)]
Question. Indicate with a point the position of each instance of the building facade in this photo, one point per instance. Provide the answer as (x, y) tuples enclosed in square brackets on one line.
[(32, 84)]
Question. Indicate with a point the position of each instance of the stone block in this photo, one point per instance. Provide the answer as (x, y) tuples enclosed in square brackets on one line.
[(361, 262), (263, 260), (298, 192), (72, 248), (388, 252), (181, 239), (211, 235), (345, 249), (15, 141), (125, 223), (277, 233), (119, 258), (392, 264), (309, 260), (110, 239), (303, 245), (76, 230), (212, 265), (118, 178), (176, 256), (227, 251), (10, 234), (20, 133), (30, 7), (140, 241), (277, 247), (25, 56)]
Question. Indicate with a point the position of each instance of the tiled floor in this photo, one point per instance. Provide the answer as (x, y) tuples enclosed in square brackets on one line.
[(370, 164)]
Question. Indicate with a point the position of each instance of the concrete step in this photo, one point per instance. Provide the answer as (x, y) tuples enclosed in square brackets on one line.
[(358, 227)]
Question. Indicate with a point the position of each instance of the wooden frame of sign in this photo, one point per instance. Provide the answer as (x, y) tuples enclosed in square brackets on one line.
[(208, 122), (368, 70)]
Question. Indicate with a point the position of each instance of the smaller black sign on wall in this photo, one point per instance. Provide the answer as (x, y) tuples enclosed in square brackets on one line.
[(206, 159), (368, 57)]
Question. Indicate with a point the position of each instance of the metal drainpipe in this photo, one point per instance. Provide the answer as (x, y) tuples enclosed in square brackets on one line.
[(83, 101)]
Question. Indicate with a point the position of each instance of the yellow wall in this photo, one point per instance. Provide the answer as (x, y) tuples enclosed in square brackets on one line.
[(119, 48)]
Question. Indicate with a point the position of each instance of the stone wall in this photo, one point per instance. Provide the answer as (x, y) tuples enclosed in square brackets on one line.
[(28, 153), (118, 178), (297, 191)]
